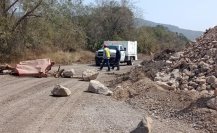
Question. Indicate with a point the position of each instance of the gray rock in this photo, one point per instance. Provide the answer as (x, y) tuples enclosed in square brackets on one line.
[(212, 103), (201, 80), (165, 85), (165, 78), (184, 86), (60, 91), (168, 62), (204, 92), (211, 80), (193, 84), (214, 85), (89, 75), (204, 66), (178, 54), (68, 73), (201, 87), (98, 88), (175, 73), (187, 72), (215, 92), (144, 126)]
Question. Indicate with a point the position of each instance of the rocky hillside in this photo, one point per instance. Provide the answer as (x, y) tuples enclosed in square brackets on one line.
[(190, 34)]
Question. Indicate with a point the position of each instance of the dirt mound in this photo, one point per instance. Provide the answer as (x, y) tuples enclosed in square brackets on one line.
[(185, 106), (151, 67)]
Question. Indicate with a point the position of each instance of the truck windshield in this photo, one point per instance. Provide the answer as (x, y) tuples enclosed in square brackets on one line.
[(112, 47)]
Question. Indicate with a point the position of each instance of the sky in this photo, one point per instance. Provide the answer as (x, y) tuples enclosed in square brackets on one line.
[(188, 14)]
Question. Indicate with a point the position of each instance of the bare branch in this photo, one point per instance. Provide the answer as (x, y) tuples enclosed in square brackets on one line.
[(26, 15), (7, 9), (34, 15), (12, 14)]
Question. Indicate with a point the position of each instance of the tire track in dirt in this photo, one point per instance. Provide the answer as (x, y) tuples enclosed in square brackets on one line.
[(52, 124), (19, 86), (10, 80), (27, 101)]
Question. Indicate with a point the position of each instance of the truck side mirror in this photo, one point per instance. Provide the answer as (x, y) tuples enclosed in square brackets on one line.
[(124, 49)]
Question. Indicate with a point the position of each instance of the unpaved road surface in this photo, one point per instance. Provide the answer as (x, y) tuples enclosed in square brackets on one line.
[(26, 106)]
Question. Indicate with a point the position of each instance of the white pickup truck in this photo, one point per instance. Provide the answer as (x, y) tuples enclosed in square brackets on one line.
[(128, 51)]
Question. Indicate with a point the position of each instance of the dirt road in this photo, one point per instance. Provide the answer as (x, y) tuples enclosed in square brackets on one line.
[(27, 107)]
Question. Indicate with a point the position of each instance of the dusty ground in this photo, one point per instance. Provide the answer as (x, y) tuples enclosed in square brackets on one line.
[(26, 106)]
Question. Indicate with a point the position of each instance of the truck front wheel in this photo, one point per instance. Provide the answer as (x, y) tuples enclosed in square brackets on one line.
[(97, 62)]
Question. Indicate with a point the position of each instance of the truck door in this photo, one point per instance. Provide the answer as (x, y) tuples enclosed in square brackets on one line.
[(122, 53)]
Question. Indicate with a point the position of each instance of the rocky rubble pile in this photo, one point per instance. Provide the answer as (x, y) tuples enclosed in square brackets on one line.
[(195, 68)]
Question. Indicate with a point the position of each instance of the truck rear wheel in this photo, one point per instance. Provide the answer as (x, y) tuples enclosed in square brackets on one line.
[(130, 62), (97, 62)]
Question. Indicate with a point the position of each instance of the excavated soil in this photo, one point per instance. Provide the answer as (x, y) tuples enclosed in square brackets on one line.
[(177, 106)]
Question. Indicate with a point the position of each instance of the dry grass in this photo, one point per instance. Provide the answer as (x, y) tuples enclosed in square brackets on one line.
[(60, 57)]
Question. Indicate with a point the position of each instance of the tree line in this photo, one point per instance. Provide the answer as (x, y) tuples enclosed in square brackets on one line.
[(40, 26)]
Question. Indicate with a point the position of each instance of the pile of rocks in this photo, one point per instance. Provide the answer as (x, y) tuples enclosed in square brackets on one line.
[(195, 68)]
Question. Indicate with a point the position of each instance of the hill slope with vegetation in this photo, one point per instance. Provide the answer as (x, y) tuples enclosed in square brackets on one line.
[(46, 28), (190, 34)]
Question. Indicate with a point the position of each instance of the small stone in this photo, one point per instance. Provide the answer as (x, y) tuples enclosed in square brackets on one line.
[(211, 92), (189, 73), (215, 92), (201, 87), (193, 84), (165, 86), (212, 103), (175, 73), (184, 86), (185, 89), (211, 79), (165, 78), (169, 62), (201, 80), (204, 92)]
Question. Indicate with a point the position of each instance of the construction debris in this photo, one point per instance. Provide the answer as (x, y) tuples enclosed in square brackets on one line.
[(38, 67), (6, 69), (195, 67)]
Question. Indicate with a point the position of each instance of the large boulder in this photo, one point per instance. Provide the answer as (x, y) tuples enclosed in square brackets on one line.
[(144, 126), (212, 103), (98, 88), (68, 73), (88, 75), (60, 91)]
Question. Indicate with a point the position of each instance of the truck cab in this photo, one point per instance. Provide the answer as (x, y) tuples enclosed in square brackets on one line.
[(127, 49)]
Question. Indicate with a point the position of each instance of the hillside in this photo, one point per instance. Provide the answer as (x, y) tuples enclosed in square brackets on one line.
[(190, 34)]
